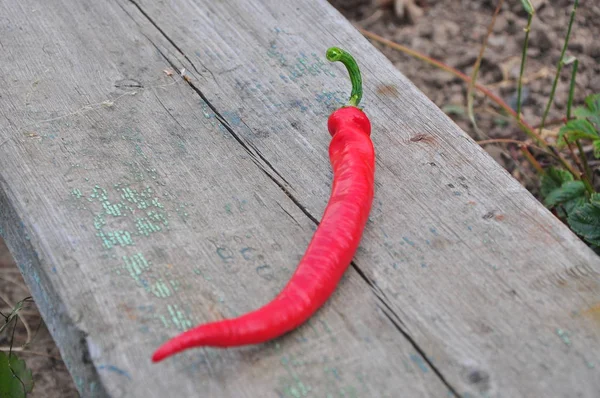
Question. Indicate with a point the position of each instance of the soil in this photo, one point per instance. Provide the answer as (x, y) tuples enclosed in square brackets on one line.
[(51, 378), (450, 31)]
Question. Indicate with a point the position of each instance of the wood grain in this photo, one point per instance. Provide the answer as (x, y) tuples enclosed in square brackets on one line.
[(139, 203)]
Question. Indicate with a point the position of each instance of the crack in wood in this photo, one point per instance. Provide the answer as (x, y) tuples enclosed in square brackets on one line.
[(162, 32), (396, 322), (168, 111), (255, 156), (401, 326), (289, 214), (264, 159)]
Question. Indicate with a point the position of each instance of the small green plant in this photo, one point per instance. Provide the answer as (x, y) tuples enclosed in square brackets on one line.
[(567, 187), (575, 200), (16, 380)]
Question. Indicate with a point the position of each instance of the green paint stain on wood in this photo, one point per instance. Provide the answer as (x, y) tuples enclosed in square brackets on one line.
[(99, 221), (112, 209), (564, 336), (590, 364), (154, 222), (142, 199), (140, 152), (160, 289), (294, 387), (150, 218), (246, 253), (115, 238), (135, 265), (178, 318), (225, 253), (77, 193), (164, 321), (158, 217), (181, 212), (300, 65), (146, 227), (156, 203)]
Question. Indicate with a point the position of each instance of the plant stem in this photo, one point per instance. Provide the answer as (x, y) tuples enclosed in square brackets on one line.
[(586, 166), (511, 141), (522, 70), (589, 176), (560, 66), (575, 158), (476, 67), (337, 54), (572, 88), (536, 165), (553, 122), (588, 186)]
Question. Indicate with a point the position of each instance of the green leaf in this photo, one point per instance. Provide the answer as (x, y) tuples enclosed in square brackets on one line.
[(569, 190), (595, 199), (553, 179), (593, 101), (596, 144), (571, 205), (15, 379), (576, 129), (591, 111), (528, 6), (585, 221)]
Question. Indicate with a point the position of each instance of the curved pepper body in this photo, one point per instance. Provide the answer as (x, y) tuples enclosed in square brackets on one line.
[(328, 254)]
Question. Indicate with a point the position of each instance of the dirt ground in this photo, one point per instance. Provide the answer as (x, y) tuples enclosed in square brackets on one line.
[(51, 378), (450, 31)]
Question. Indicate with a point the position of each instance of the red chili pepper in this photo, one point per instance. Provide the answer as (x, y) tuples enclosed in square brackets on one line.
[(332, 247)]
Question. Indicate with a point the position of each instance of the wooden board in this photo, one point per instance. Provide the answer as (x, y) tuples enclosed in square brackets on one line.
[(139, 204)]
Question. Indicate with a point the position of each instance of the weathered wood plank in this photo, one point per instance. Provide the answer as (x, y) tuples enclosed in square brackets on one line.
[(469, 233), (142, 215), (458, 259)]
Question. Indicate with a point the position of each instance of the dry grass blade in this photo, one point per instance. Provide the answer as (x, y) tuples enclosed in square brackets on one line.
[(512, 141), (15, 314)]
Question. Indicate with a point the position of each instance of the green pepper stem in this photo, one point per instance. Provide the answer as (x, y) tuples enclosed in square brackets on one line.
[(337, 54)]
